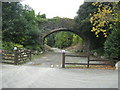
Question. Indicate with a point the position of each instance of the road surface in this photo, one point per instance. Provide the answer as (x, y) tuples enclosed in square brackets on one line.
[(39, 74), (54, 59)]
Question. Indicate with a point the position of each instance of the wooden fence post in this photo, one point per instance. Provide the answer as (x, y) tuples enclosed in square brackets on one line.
[(88, 62), (30, 55), (15, 57), (112, 62), (63, 60)]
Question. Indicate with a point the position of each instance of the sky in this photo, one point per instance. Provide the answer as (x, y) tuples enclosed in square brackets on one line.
[(53, 8)]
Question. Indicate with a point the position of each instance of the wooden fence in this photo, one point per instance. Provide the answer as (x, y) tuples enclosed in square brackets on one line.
[(109, 62), (16, 56)]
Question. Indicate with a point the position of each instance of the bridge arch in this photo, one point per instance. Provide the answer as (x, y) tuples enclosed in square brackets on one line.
[(86, 43), (58, 30)]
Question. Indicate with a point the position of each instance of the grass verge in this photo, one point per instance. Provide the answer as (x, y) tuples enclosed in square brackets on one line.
[(90, 67)]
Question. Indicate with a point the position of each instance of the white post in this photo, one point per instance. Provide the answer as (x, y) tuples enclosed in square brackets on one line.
[(63, 58), (15, 56)]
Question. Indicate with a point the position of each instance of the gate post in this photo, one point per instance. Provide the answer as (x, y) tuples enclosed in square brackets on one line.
[(15, 56), (63, 59), (88, 62), (30, 55), (112, 62)]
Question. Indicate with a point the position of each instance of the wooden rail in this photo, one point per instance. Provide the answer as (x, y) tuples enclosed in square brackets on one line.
[(76, 55), (16, 56), (110, 62)]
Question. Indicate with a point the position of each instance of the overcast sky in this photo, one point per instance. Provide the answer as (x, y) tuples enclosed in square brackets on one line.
[(53, 8)]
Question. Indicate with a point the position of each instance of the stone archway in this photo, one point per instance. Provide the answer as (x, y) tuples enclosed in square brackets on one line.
[(58, 30), (85, 45), (68, 25)]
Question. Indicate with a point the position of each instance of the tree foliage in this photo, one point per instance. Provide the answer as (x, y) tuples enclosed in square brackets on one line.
[(104, 18), (112, 44), (63, 39), (50, 40), (84, 26), (76, 39), (20, 24)]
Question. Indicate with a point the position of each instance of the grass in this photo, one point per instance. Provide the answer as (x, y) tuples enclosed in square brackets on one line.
[(76, 66), (90, 67), (37, 56)]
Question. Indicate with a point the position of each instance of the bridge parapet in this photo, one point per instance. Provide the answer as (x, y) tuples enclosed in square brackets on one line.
[(57, 23)]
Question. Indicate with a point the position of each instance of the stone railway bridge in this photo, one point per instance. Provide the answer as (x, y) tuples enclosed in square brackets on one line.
[(62, 24)]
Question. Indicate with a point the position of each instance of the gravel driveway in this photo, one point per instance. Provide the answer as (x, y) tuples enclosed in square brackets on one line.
[(36, 77), (39, 74)]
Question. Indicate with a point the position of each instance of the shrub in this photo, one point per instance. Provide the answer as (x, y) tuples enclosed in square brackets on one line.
[(34, 47), (112, 44), (10, 45)]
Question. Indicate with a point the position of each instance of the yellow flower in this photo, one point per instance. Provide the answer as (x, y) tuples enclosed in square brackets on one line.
[(105, 36), (104, 30), (104, 33), (110, 27), (96, 33), (98, 9), (94, 29), (97, 36)]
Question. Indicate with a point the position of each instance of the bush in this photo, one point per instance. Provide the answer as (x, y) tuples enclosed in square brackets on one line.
[(10, 45), (34, 47), (112, 44), (100, 51)]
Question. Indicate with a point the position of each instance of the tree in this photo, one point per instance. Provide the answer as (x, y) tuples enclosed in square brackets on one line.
[(11, 17), (104, 18), (112, 43), (84, 26), (31, 36), (76, 39), (20, 24), (63, 39), (50, 40)]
